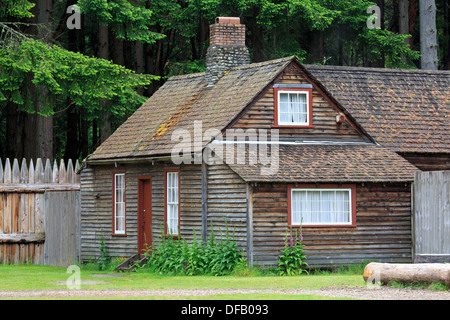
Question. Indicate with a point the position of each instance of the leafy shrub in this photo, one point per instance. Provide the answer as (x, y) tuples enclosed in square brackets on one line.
[(291, 261), (216, 257)]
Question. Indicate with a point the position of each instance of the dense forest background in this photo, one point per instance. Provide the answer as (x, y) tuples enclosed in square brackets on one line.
[(69, 77)]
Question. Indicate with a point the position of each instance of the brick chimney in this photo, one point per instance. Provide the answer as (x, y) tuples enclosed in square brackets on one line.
[(227, 48)]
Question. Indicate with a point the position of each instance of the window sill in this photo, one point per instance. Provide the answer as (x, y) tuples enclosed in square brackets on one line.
[(173, 237), (118, 234), (324, 226), (291, 126)]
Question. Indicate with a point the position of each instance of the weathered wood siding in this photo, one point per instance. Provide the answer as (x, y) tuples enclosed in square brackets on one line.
[(382, 232), (96, 213), (260, 115), (432, 216), (227, 202)]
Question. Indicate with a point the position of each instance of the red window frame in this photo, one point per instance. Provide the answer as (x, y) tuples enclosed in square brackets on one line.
[(114, 172), (165, 201), (352, 187), (275, 116)]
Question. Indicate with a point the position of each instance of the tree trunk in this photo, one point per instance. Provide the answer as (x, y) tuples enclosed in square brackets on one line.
[(316, 46), (84, 136), (340, 51), (14, 129), (103, 53), (72, 123), (421, 272), (256, 36), (44, 125), (139, 61), (403, 22), (413, 10), (117, 50), (428, 35)]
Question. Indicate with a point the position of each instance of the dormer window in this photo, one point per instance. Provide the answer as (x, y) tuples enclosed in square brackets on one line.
[(293, 105)]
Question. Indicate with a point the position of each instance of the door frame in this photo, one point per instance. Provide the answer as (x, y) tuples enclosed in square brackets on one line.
[(140, 204)]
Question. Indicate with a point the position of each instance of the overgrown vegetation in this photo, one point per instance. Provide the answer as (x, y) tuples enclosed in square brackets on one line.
[(104, 261), (292, 260), (218, 256)]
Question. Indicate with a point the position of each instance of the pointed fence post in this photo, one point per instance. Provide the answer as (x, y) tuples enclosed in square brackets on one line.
[(31, 173), (55, 173), (16, 171), (48, 173), (62, 172), (24, 172), (7, 172), (39, 172), (70, 173)]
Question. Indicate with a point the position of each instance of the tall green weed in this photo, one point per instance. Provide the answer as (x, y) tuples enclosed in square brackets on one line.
[(178, 257)]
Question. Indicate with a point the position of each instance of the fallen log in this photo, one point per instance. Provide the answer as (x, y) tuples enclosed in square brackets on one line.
[(421, 272)]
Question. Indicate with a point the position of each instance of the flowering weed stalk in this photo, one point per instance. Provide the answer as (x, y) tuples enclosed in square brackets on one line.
[(291, 261)]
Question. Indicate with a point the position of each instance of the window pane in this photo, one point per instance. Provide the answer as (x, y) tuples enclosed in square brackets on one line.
[(284, 97), (293, 108), (299, 208), (119, 202), (328, 206), (342, 206), (284, 117), (315, 206), (172, 203)]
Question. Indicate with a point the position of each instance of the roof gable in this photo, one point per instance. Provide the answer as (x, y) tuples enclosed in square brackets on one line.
[(180, 102), (261, 112)]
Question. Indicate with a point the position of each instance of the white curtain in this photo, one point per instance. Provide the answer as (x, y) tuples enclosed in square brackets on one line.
[(172, 203), (342, 206), (119, 203), (311, 206), (293, 108)]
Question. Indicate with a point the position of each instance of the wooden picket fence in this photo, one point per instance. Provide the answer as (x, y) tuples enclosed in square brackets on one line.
[(39, 212)]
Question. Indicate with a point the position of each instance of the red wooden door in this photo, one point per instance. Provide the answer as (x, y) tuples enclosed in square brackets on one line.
[(144, 213)]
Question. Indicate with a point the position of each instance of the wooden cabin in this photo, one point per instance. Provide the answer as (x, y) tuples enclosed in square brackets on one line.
[(261, 148)]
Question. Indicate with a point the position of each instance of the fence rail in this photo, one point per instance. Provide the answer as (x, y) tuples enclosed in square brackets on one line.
[(432, 216), (39, 212)]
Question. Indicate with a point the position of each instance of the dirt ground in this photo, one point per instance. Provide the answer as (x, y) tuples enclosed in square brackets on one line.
[(377, 293)]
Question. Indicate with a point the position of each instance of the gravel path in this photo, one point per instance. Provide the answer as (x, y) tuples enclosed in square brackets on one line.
[(380, 293)]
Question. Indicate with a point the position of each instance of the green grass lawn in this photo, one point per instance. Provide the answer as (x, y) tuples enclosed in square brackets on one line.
[(32, 277)]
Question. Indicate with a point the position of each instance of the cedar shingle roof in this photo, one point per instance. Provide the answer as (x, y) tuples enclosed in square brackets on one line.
[(183, 100), (405, 110), (330, 163)]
